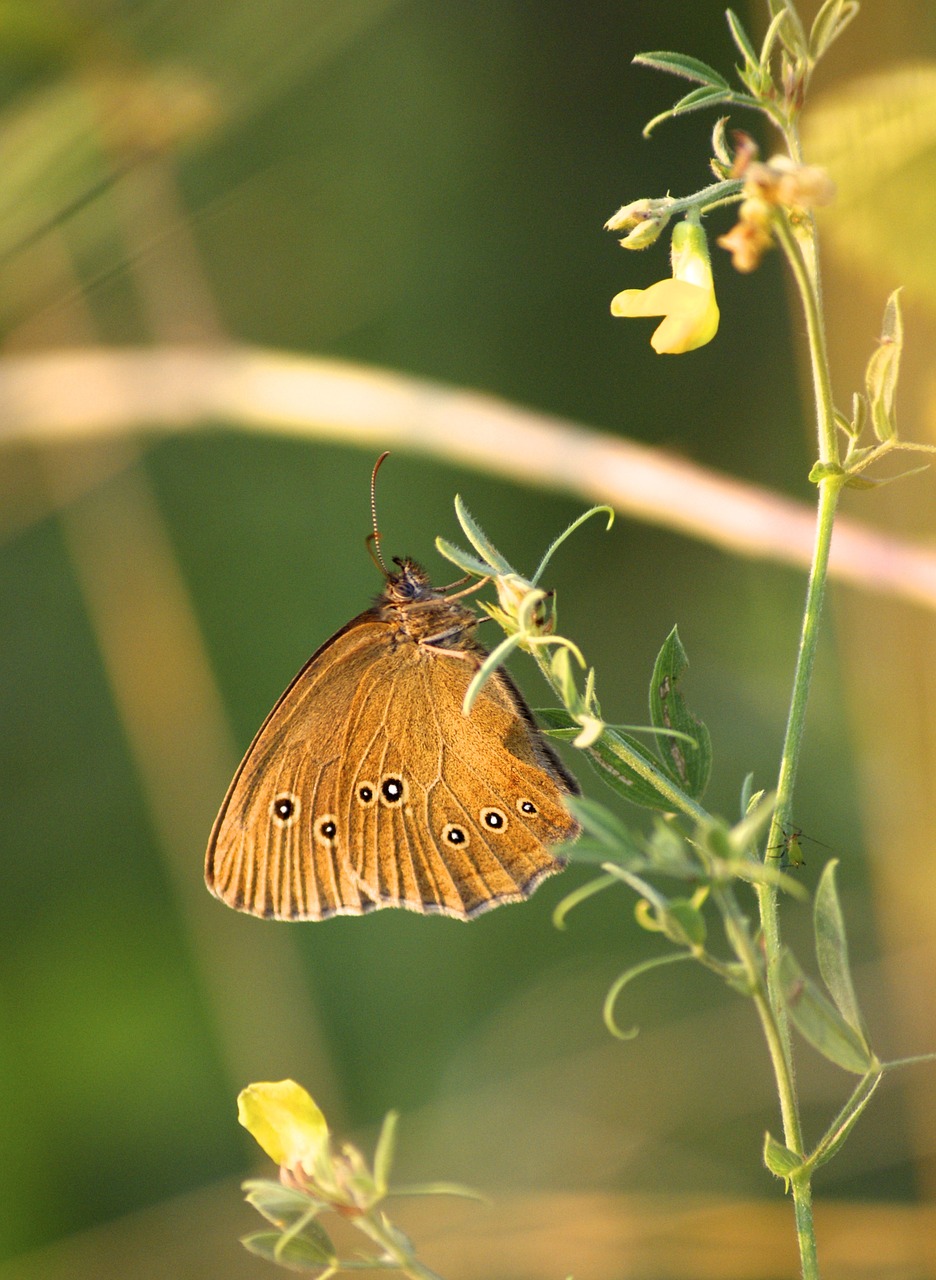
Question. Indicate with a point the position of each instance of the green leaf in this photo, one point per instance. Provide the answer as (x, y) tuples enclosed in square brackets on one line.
[(464, 559), (440, 1189), (828, 25), (300, 1253), (695, 101), (680, 64), (780, 1160), (605, 757), (667, 852), (479, 539), (832, 949), (597, 821), (819, 1022), (789, 28), (283, 1206), (884, 369), (742, 39), (688, 766), (684, 923), (834, 1137), (619, 775), (384, 1151)]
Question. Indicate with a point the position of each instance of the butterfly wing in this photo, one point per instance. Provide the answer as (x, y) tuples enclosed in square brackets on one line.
[(367, 787), (447, 813), (266, 854)]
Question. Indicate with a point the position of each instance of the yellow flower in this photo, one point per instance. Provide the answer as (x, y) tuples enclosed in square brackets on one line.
[(687, 301), (285, 1121)]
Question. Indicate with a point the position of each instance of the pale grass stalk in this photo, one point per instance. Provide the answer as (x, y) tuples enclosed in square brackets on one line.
[(99, 392)]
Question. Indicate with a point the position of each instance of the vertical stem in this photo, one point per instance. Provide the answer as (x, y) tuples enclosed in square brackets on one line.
[(805, 269)]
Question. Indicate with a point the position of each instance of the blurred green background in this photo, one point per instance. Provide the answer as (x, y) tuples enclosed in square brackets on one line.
[(419, 186)]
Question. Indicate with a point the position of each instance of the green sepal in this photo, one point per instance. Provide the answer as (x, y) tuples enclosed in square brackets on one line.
[(818, 1020), (688, 766), (825, 471), (832, 949), (681, 64), (298, 1253), (780, 1160)]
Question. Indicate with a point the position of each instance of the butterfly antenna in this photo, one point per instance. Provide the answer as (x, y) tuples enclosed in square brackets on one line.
[(373, 539)]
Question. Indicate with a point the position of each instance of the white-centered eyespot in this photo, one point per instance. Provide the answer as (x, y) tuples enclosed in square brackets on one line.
[(285, 809), (495, 819), (392, 790), (455, 834), (326, 829)]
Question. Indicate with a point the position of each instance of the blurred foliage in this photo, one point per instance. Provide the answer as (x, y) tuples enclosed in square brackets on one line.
[(419, 186)]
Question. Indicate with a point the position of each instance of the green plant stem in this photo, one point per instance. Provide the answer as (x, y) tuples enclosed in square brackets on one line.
[(803, 261), (375, 1227)]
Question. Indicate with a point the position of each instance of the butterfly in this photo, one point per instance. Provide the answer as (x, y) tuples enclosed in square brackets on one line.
[(367, 786)]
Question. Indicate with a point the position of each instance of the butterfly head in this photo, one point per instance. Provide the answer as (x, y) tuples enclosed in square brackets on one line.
[(409, 585)]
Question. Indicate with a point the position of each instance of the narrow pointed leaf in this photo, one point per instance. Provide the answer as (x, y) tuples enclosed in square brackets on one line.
[(828, 25), (464, 559), (688, 766), (680, 64), (479, 539), (741, 38), (832, 949), (440, 1189), (884, 369), (695, 101), (819, 1022), (834, 1137), (384, 1151)]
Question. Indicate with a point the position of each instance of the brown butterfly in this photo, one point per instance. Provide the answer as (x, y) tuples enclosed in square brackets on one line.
[(368, 787)]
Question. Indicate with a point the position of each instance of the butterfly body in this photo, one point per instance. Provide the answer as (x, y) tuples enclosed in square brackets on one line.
[(368, 787)]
